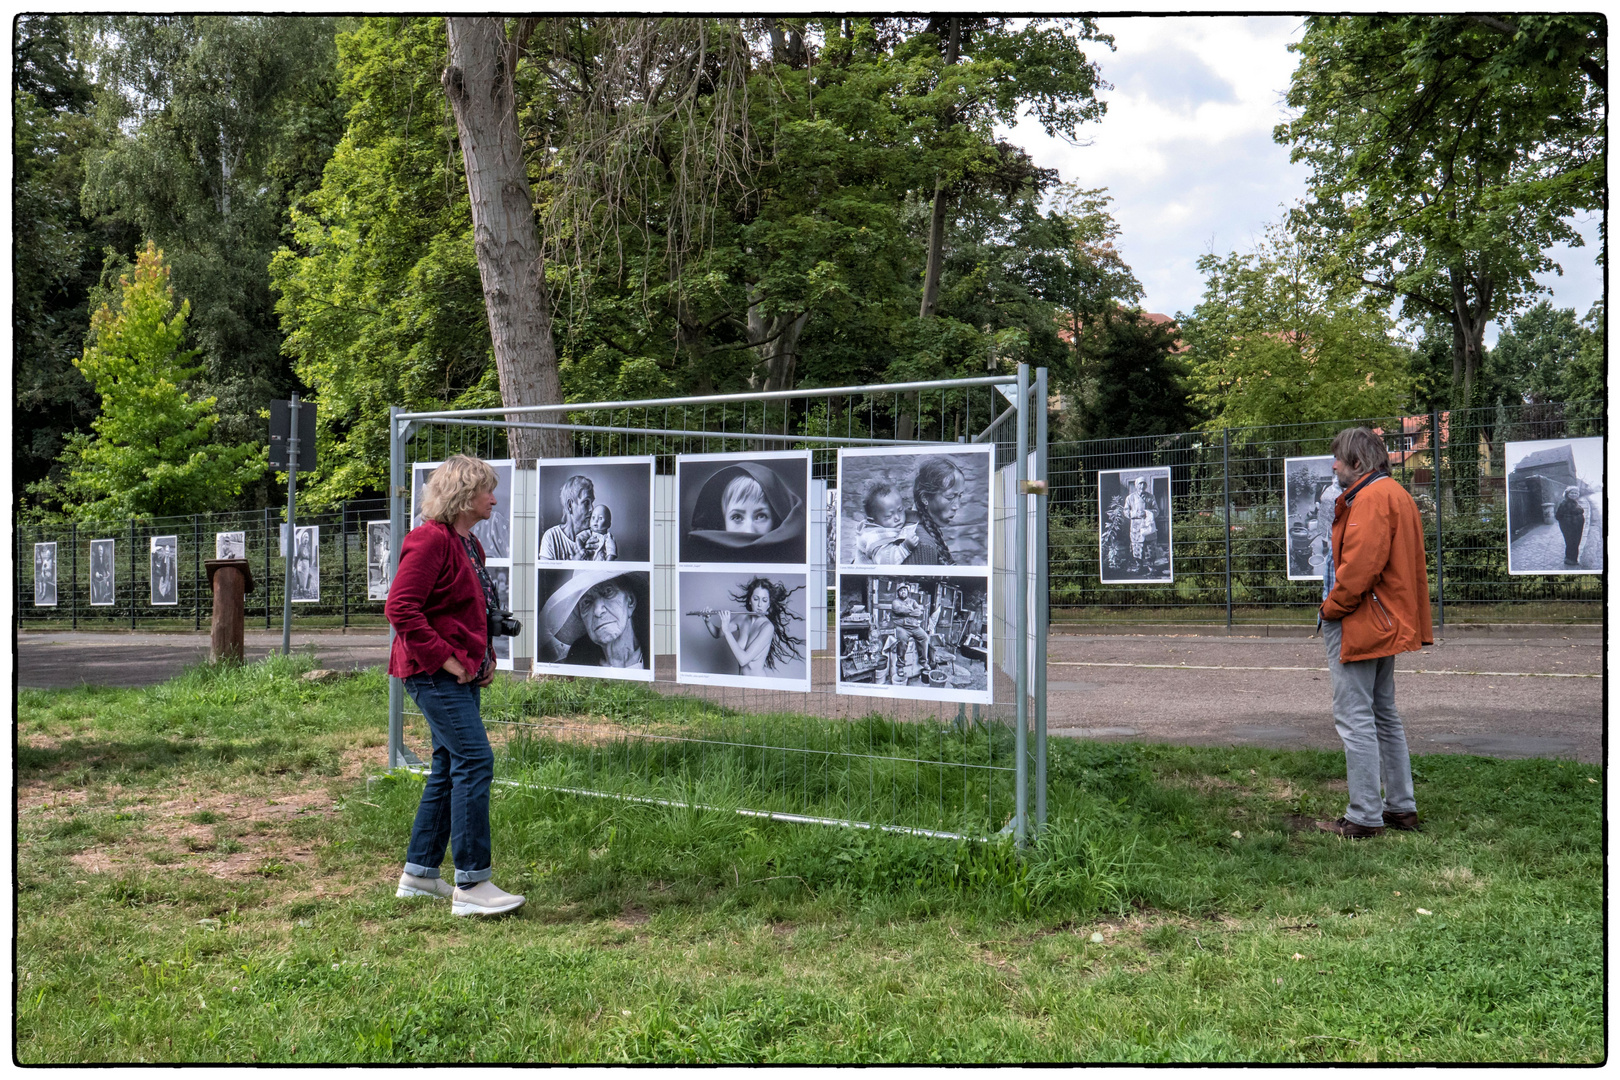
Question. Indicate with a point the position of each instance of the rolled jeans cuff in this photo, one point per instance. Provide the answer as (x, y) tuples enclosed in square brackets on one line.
[(418, 870), (473, 877)]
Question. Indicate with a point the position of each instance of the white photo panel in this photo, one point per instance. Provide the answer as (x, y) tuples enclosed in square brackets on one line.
[(915, 638), (45, 574), (306, 581), (495, 532), (742, 628), (918, 507), (1555, 506), (377, 559), (1133, 510), (1309, 493), (501, 578), (165, 571), (744, 509), (594, 510), (420, 471), (230, 545), (103, 578), (594, 621)]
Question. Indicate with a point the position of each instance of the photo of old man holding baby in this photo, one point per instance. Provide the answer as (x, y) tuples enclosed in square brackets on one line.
[(924, 507)]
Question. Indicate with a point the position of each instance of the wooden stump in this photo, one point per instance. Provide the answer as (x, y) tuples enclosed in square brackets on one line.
[(231, 580)]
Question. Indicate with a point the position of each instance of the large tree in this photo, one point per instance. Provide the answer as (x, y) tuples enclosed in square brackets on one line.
[(210, 125), (1447, 155)]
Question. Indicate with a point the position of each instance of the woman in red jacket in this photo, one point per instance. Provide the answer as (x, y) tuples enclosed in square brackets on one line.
[(438, 605)]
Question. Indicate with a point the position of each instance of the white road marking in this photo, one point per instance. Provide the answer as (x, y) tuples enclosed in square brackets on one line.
[(1402, 671)]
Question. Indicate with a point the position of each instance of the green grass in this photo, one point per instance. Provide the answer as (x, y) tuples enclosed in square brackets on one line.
[(205, 873)]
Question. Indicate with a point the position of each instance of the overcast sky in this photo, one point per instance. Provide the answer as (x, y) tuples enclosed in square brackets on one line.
[(1185, 150)]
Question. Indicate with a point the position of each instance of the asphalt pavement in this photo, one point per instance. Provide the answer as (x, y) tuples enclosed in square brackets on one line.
[(1539, 694)]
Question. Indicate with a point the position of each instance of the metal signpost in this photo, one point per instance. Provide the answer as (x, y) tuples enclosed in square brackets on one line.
[(292, 425)]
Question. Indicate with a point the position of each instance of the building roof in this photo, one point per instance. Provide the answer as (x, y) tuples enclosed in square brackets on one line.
[(1553, 455)]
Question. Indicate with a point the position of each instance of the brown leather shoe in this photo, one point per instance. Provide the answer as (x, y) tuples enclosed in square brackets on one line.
[(1406, 821), (1350, 830)]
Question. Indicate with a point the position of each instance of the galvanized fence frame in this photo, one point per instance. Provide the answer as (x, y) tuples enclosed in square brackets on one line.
[(928, 733)]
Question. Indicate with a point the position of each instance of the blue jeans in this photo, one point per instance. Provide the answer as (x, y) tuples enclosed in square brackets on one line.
[(1377, 767), (454, 810)]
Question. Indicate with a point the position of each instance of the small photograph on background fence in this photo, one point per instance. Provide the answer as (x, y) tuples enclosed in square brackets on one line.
[(1555, 506), (102, 576), (306, 582), (230, 545), (165, 570), (1133, 506), (1309, 495), (45, 575), (377, 559)]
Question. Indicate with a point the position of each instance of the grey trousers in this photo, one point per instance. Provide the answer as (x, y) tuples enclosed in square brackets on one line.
[(1374, 737)]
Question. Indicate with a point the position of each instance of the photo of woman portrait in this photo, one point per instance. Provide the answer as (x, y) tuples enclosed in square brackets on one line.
[(752, 510), (924, 507), (102, 579), (743, 630)]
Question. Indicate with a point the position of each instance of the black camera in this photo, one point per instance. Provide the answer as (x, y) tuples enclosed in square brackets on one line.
[(502, 624)]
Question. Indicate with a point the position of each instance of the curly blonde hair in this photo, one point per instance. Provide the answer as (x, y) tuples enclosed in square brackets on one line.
[(451, 488)]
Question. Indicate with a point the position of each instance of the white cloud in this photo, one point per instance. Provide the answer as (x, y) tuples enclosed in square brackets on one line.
[(1187, 153)]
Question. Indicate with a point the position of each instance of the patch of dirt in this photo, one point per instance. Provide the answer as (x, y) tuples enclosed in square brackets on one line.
[(253, 821), (582, 732), (631, 918)]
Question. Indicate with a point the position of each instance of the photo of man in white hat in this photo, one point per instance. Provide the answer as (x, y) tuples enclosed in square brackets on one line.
[(595, 619)]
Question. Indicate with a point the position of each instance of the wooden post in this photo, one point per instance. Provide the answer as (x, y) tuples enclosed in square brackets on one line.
[(231, 581)]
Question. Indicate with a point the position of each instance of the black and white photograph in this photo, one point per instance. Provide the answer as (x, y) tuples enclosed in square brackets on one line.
[(1555, 506), (832, 539), (495, 531), (743, 628), (420, 471), (594, 621), (165, 559), (923, 506), (377, 555), (45, 574), (914, 638), (595, 510), (1309, 493), (501, 578), (306, 577), (230, 545), (747, 509), (103, 577), (1134, 508)]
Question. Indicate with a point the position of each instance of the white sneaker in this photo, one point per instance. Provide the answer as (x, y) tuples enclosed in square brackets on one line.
[(411, 885), (484, 899)]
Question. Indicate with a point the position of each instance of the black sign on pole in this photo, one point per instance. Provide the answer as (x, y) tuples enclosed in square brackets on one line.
[(281, 427)]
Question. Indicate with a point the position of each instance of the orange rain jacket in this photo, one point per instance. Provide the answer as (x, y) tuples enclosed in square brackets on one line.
[(1380, 577)]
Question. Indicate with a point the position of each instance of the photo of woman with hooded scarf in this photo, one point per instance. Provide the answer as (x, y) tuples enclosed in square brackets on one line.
[(751, 509)]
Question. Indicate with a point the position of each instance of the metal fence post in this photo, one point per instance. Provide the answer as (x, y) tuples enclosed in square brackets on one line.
[(1226, 513), (396, 688), (132, 573), (343, 538), (267, 568), (1042, 599), (196, 571), (1022, 629), (73, 584), (1439, 521)]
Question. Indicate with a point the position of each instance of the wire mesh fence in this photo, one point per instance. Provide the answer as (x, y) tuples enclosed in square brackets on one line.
[(120, 586), (1229, 527), (897, 762)]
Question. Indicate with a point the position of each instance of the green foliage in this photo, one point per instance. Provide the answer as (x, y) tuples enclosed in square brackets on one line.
[(1448, 154), (153, 450), (1139, 385), (1538, 358), (1272, 342)]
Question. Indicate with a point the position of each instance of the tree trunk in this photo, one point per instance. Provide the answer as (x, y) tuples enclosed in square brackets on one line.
[(775, 340), (1468, 323), (936, 223), (478, 82)]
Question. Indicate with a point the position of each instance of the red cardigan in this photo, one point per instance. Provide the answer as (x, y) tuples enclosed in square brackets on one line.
[(435, 603)]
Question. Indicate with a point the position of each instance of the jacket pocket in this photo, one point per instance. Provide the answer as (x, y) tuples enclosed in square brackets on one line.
[(1369, 630)]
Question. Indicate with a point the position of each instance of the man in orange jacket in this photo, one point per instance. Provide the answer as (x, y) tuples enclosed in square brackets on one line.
[(1375, 606)]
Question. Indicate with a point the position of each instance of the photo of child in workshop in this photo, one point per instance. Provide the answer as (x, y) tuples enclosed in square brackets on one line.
[(914, 637)]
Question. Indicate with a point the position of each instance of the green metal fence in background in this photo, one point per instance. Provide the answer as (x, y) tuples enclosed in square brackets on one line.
[(343, 600), (1229, 527)]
